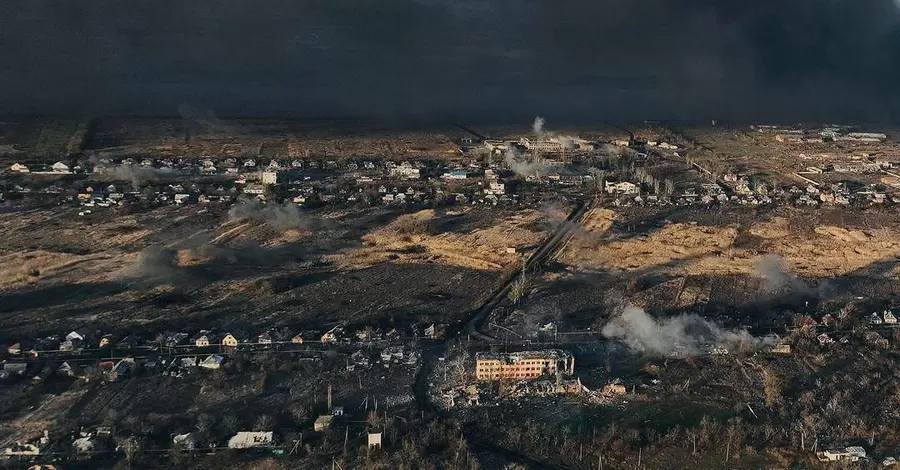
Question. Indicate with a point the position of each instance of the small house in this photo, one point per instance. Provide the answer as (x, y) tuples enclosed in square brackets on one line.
[(374, 440), (19, 348), (233, 339), (19, 168), (60, 167), (889, 318), (80, 334), (249, 440), (207, 338), (212, 362), (332, 335), (187, 441), (875, 319)]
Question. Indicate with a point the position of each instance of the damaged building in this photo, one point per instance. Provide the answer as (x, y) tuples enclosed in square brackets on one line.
[(523, 365)]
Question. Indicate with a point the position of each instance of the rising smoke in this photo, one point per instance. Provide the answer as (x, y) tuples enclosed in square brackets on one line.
[(538, 126), (202, 116), (522, 165), (284, 216), (776, 278), (682, 335), (138, 175)]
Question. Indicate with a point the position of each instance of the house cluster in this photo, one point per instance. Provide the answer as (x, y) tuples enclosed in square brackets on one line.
[(188, 347), (869, 327), (58, 168), (737, 189), (826, 134)]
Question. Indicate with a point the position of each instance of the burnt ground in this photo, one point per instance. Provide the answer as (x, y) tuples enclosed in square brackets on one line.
[(249, 277)]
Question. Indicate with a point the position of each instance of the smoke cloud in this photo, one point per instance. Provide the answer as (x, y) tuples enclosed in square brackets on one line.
[(284, 216), (156, 265), (202, 116), (538, 126), (682, 335), (522, 165), (776, 278), (138, 175)]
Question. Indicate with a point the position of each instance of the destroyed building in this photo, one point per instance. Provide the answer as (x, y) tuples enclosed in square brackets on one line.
[(523, 365)]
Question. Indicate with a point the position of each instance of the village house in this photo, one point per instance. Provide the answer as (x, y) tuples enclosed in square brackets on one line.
[(850, 454), (60, 167), (268, 337), (20, 347), (622, 187), (80, 334), (19, 168), (213, 362), (332, 335), (234, 338), (206, 338), (249, 440)]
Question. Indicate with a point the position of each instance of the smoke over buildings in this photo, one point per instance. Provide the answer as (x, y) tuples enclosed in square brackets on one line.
[(522, 164), (682, 335), (538, 126), (285, 216), (138, 175)]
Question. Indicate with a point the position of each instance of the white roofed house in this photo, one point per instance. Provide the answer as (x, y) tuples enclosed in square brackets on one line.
[(19, 168), (60, 167), (249, 440), (213, 362), (890, 318)]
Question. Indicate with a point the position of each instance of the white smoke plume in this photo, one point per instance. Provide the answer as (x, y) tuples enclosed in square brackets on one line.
[(777, 279), (538, 126), (522, 164), (202, 116), (284, 216), (138, 175), (685, 335)]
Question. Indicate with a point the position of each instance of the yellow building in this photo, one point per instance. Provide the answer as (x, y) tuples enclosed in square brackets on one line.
[(523, 365)]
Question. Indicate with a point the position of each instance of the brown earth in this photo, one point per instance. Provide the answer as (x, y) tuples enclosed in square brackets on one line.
[(408, 239), (693, 249)]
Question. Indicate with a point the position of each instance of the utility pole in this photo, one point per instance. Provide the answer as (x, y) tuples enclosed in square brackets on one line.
[(346, 435)]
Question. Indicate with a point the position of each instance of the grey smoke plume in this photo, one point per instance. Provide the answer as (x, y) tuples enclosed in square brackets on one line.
[(156, 264), (538, 126), (682, 335), (278, 216), (138, 175), (202, 116), (521, 164), (777, 279)]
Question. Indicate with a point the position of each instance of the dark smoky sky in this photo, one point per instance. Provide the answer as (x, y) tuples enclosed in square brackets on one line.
[(476, 60)]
